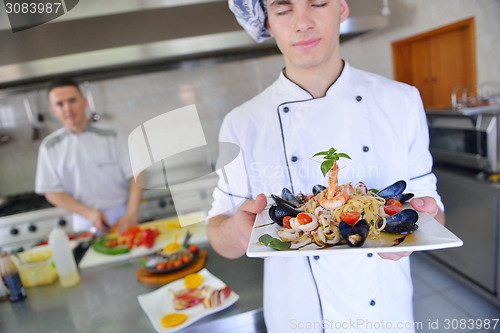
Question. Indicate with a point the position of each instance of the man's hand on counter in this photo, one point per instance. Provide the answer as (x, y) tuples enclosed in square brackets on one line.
[(125, 222)]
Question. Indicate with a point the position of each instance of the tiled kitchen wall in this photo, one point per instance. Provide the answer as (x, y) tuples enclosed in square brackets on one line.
[(372, 52), (127, 102)]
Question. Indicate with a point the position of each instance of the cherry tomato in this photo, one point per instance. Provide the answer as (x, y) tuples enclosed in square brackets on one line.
[(185, 258), (286, 222), (392, 209), (304, 218), (350, 217), (393, 202), (161, 265), (193, 248)]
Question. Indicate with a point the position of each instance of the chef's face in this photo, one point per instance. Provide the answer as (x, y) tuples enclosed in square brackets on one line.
[(68, 104), (307, 31)]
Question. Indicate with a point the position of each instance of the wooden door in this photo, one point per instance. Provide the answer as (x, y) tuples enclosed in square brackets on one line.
[(437, 61), (449, 52), (420, 69)]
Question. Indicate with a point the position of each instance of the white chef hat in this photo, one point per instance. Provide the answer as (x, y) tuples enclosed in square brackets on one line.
[(251, 15)]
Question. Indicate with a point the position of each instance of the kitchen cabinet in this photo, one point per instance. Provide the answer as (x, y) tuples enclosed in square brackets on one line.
[(472, 213), (437, 61)]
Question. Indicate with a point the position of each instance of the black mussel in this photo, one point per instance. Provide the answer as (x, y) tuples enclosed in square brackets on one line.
[(392, 190), (403, 197), (283, 208), (404, 222), (287, 195), (354, 236), (302, 198), (318, 189)]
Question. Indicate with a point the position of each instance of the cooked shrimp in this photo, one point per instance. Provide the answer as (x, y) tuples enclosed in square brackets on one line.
[(330, 199)]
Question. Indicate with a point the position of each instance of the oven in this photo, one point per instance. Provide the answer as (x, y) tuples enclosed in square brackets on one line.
[(470, 141)]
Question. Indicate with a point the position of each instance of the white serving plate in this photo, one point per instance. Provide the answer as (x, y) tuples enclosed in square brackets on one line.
[(158, 303), (431, 235)]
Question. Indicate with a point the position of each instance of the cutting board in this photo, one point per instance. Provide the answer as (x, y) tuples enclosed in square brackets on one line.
[(168, 229), (146, 276)]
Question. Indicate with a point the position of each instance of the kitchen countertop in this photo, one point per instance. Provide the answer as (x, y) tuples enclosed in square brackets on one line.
[(106, 299)]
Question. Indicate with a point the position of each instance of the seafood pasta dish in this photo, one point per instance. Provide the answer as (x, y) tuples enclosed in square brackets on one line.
[(342, 213)]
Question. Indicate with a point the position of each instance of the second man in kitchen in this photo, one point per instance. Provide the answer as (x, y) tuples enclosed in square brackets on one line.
[(86, 169)]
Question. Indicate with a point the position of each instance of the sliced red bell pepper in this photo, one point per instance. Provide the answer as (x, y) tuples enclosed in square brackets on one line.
[(149, 238)]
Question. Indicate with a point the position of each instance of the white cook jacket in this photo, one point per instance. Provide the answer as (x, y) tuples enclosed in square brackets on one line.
[(381, 125), (93, 167)]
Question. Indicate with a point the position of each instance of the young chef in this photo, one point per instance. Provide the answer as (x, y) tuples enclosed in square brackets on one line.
[(86, 169), (319, 101)]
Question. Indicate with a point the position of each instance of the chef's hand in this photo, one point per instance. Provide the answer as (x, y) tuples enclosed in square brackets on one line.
[(125, 222), (395, 256), (423, 204), (230, 235), (428, 205), (97, 218), (244, 219)]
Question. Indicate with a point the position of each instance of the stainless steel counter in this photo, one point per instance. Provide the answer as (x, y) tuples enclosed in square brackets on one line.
[(106, 301)]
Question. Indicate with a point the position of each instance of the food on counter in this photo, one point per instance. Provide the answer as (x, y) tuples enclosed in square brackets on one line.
[(172, 248), (107, 245), (135, 236), (172, 256), (114, 244), (339, 214), (36, 267), (173, 319), (193, 248), (214, 298), (210, 297), (193, 281), (187, 298)]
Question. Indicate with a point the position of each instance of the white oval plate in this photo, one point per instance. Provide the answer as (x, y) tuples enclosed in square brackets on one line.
[(158, 303)]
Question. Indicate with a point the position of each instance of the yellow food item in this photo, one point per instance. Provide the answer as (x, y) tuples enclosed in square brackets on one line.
[(173, 225), (172, 247), (173, 319), (193, 281)]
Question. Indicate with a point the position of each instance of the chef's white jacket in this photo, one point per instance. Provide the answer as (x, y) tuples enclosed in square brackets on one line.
[(381, 125), (93, 167)]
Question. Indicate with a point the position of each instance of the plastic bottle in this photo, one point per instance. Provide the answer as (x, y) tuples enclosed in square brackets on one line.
[(11, 278), (63, 258)]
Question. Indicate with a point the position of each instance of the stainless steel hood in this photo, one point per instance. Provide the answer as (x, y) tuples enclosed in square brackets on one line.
[(98, 35)]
